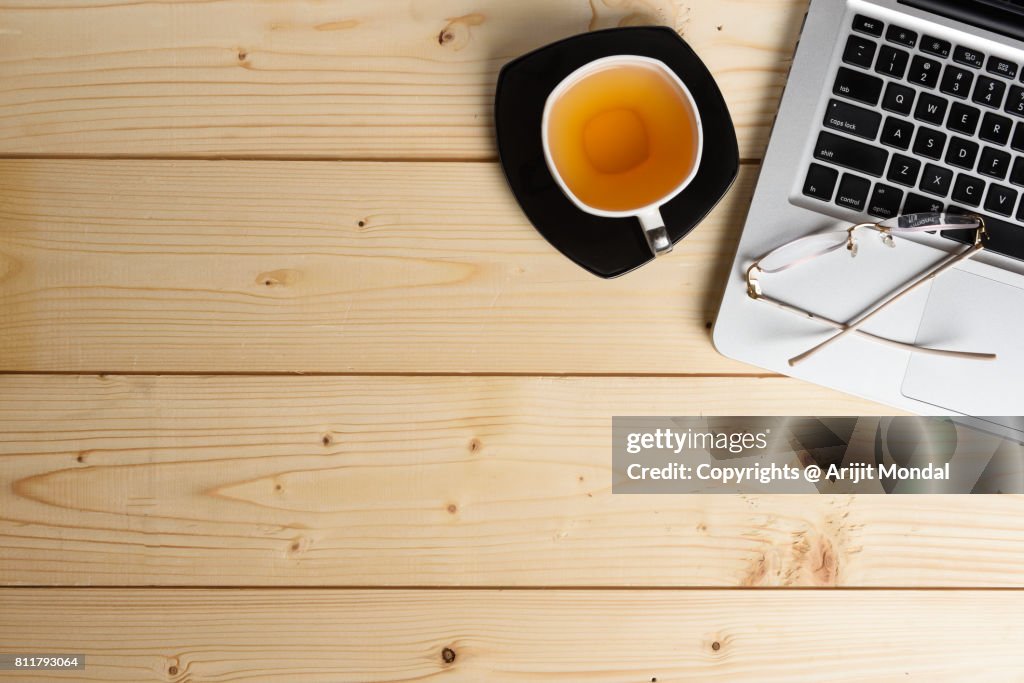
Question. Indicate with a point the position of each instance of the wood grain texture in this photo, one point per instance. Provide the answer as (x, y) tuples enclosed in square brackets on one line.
[(603, 636), (353, 79), (442, 481), (231, 266)]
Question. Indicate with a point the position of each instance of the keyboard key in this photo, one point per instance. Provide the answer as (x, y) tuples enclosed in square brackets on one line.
[(850, 154), (853, 192), (968, 190), (892, 62), (963, 119), (1018, 138), (1001, 67), (898, 99), (897, 133), (930, 109), (821, 182), (1015, 101), (994, 163), (929, 143), (903, 36), (872, 27), (857, 86), (995, 128), (859, 52), (962, 153), (968, 56), (1017, 174), (1003, 238), (1000, 200), (852, 119), (885, 201), (904, 170), (935, 46), (924, 72), (936, 180), (989, 92), (956, 81), (920, 204)]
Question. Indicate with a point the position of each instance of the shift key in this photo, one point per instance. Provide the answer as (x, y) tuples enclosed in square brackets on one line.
[(851, 154), (852, 119)]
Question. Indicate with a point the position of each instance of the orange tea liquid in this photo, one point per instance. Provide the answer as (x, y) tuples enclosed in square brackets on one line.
[(623, 137)]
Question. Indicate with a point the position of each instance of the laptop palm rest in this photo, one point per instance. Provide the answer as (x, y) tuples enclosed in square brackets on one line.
[(971, 313)]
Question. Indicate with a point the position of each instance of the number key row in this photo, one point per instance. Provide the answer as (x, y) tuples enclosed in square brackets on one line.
[(924, 72)]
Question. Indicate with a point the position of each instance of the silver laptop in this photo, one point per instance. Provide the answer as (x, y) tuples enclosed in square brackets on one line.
[(895, 107)]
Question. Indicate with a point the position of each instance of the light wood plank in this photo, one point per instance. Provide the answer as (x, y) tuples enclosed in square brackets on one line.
[(204, 266), (603, 636), (361, 78), (447, 481)]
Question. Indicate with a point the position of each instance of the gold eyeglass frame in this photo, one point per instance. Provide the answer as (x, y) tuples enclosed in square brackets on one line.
[(754, 290)]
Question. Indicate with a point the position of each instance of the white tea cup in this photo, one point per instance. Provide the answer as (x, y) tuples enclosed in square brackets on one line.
[(688, 132)]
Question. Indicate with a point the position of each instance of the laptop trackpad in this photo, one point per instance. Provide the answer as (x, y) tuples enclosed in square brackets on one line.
[(971, 313)]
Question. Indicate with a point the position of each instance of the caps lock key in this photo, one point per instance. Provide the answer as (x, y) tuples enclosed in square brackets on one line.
[(852, 119)]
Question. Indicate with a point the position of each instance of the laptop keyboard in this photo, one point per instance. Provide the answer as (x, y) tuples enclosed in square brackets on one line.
[(915, 123)]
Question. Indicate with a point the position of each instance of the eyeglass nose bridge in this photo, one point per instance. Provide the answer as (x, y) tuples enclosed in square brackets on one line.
[(851, 239)]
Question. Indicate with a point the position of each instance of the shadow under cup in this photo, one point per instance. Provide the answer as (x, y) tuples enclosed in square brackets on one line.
[(607, 243), (621, 137)]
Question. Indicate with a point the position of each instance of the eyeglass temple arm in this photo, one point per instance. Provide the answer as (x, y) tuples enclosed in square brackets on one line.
[(885, 341), (856, 324)]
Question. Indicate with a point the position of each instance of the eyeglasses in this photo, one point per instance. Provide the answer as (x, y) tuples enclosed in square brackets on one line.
[(811, 247)]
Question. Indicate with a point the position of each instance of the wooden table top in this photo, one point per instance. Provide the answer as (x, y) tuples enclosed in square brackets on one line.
[(291, 390)]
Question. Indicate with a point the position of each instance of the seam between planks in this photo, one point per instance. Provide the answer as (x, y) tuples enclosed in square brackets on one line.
[(244, 373), (519, 588), (249, 157)]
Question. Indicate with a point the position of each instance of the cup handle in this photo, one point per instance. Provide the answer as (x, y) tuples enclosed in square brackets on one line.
[(654, 230)]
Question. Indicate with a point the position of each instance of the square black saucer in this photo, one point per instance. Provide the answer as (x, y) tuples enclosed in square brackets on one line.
[(607, 247)]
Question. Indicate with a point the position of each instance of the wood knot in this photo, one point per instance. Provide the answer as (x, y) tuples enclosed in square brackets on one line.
[(475, 445), (242, 55), (278, 278), (456, 33), (716, 646), (452, 508), (361, 224), (172, 671), (448, 655), (326, 440)]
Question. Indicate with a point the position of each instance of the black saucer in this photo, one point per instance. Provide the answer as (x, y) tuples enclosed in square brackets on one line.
[(607, 247)]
